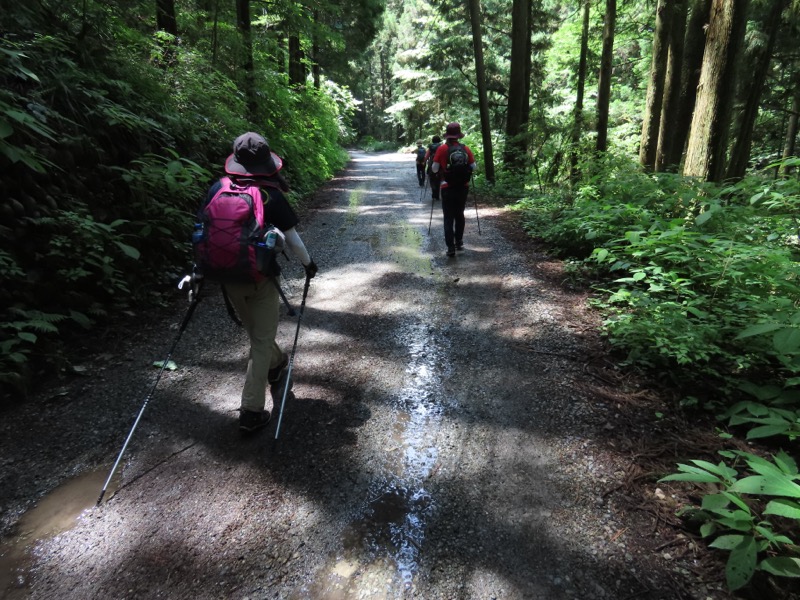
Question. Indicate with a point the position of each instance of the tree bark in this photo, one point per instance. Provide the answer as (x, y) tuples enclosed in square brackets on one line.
[(165, 16), (577, 120), (315, 69), (215, 34), (606, 69), (672, 87), (526, 111), (655, 86), (243, 24), (693, 47), (790, 144), (740, 155), (516, 141), (297, 71), (483, 101), (705, 154)]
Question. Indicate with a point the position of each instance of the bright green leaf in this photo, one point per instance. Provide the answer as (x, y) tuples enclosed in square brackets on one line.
[(767, 431), (786, 463), (727, 542), (783, 508), (782, 566), (741, 564), (766, 486), (714, 501)]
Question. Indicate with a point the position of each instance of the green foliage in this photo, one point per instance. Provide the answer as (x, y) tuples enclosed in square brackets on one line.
[(111, 132), (682, 269), (370, 144), (775, 411), (756, 533)]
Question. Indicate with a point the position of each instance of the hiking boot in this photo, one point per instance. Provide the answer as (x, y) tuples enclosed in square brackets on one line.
[(251, 420), (451, 252), (459, 245), (275, 372)]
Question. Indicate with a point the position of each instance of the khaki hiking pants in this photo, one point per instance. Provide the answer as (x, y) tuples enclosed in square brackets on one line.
[(258, 307)]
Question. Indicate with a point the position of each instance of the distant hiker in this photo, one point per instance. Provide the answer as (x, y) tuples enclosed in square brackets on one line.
[(455, 162), (258, 302), (420, 152), (433, 178)]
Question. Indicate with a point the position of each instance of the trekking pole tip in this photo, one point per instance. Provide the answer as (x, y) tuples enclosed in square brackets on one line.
[(100, 499)]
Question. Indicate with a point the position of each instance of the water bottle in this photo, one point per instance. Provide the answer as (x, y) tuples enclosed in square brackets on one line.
[(198, 234), (269, 239)]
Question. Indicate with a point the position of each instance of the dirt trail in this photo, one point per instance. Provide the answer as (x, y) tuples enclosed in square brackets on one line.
[(441, 444)]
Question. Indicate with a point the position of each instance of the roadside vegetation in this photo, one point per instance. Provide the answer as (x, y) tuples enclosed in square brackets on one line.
[(699, 284)]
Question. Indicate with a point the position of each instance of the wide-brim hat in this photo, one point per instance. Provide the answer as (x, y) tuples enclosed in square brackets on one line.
[(252, 157), (453, 132)]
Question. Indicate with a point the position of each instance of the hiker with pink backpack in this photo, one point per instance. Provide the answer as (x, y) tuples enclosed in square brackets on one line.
[(244, 224)]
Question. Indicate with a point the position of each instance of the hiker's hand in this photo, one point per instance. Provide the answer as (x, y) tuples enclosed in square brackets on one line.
[(311, 269)]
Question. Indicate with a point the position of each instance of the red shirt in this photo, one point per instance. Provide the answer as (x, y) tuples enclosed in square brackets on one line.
[(441, 158)]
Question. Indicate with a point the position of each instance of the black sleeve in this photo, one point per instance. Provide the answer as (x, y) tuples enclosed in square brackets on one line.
[(209, 196), (278, 211)]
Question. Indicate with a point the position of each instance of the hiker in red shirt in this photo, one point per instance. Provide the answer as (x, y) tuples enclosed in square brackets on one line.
[(455, 163)]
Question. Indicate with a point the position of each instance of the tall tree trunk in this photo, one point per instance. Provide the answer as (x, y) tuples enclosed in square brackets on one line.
[(672, 87), (705, 154), (168, 23), (577, 119), (694, 44), (526, 109), (297, 71), (516, 141), (740, 155), (315, 70), (215, 34), (606, 69), (165, 16), (655, 86), (790, 145), (483, 101), (243, 23)]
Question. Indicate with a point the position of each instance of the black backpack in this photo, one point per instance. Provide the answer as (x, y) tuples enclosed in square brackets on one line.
[(431, 153), (458, 170), (420, 155)]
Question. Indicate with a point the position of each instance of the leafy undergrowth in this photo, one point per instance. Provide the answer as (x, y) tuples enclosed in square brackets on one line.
[(697, 285)]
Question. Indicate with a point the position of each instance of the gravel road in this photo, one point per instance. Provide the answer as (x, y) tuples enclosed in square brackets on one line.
[(442, 445)]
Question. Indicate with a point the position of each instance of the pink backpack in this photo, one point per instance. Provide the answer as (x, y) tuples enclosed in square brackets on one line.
[(228, 240)]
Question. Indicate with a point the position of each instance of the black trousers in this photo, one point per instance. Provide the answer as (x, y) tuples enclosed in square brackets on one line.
[(454, 201)]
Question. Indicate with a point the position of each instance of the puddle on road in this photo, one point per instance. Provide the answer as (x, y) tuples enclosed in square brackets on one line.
[(381, 548), (355, 201), (56, 513)]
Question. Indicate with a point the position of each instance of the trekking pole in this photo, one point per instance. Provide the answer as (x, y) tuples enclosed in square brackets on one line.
[(477, 218), (291, 359), (194, 295), (289, 310), (431, 219)]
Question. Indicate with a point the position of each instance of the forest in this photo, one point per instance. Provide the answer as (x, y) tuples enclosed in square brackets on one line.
[(651, 145)]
